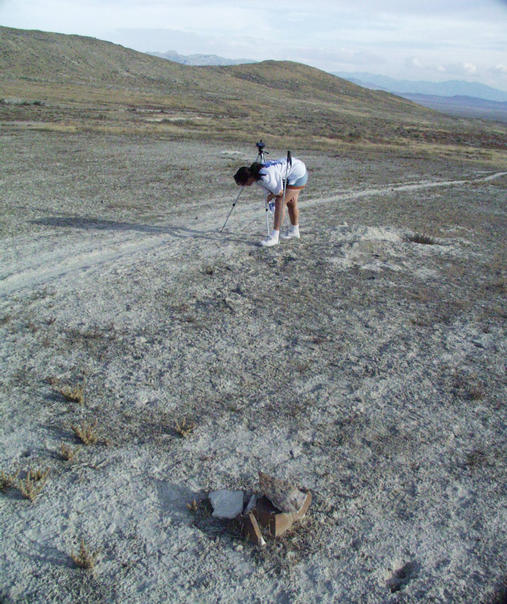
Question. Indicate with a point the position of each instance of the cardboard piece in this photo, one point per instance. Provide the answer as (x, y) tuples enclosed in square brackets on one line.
[(274, 522), (272, 513)]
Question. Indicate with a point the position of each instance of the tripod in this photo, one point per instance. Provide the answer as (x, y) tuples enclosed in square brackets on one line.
[(260, 159)]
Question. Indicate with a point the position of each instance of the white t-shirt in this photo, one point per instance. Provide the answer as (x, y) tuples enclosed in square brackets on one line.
[(274, 172)]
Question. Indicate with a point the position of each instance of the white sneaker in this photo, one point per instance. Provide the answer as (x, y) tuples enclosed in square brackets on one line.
[(270, 241), (292, 233)]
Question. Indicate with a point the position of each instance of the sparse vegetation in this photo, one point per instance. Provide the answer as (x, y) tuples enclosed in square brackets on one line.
[(113, 101), (86, 432), (193, 506), (73, 394), (84, 558), (421, 238), (8, 481), (29, 487), (320, 372), (184, 428), (67, 452)]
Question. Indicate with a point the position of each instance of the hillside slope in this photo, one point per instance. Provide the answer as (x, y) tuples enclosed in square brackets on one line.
[(84, 83), (57, 58), (48, 57)]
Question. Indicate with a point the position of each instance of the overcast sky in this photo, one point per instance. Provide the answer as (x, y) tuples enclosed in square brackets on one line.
[(411, 39)]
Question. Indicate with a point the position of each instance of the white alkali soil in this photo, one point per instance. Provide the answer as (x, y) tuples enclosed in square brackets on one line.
[(358, 362)]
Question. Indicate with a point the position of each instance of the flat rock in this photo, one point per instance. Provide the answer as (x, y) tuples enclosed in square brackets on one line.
[(226, 504)]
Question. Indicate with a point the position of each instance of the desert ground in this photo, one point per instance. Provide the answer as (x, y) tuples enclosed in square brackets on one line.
[(364, 362)]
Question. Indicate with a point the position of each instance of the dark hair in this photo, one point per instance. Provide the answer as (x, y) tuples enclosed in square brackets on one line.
[(255, 169), (242, 175)]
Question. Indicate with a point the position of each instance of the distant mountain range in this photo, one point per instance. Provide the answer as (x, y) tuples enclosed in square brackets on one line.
[(199, 59), (455, 97), (462, 106), (450, 88)]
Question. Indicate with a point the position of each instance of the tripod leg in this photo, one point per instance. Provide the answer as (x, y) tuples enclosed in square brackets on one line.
[(285, 182), (230, 211)]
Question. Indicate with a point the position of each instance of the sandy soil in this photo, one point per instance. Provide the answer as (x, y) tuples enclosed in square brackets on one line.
[(357, 362)]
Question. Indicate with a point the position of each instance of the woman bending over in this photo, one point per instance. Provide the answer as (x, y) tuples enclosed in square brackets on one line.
[(270, 176)]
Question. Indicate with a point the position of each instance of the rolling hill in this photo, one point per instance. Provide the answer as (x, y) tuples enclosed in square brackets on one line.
[(67, 83)]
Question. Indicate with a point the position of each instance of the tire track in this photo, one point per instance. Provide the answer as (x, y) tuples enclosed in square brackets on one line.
[(70, 262), (393, 188)]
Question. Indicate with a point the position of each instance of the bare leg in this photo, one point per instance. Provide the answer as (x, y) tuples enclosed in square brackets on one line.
[(291, 201), (292, 207), (279, 212)]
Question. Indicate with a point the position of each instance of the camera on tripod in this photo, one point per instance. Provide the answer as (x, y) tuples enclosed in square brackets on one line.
[(260, 151)]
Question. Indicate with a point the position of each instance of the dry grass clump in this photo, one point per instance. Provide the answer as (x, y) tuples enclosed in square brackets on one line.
[(84, 558), (421, 238), (33, 484), (67, 452), (7, 481), (184, 428), (29, 487), (73, 393), (86, 432), (193, 506)]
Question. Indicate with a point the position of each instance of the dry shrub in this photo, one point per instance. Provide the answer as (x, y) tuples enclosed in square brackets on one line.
[(184, 428), (193, 506), (29, 487), (84, 558), (421, 238), (8, 481), (67, 452), (73, 394), (86, 432)]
